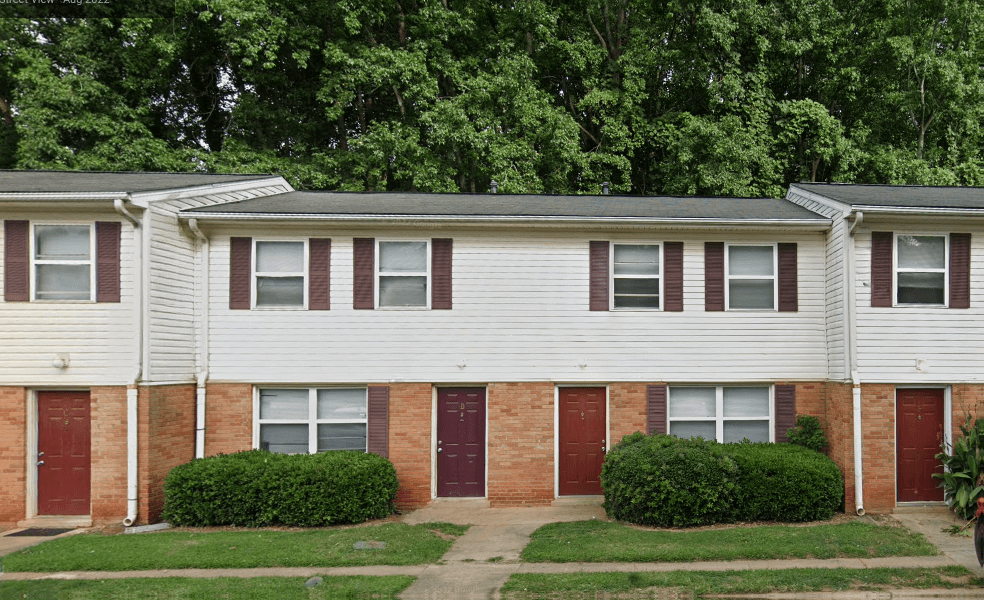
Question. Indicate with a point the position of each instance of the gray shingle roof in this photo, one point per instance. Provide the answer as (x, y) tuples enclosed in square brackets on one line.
[(899, 196), (107, 182), (394, 204)]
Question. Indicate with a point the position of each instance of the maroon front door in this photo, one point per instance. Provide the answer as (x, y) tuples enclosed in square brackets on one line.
[(920, 433), (461, 442), (582, 440), (63, 453)]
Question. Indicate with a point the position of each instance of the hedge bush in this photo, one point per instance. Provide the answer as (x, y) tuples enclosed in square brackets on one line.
[(665, 481), (785, 482), (259, 488)]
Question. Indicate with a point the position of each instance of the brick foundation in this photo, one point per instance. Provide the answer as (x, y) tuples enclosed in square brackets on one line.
[(167, 439), (13, 446), (626, 410), (410, 410), (108, 411), (520, 444)]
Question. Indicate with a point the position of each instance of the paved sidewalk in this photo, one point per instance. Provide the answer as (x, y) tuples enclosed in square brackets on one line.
[(481, 560)]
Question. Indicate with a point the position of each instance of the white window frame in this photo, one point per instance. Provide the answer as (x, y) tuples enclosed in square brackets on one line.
[(91, 262), (254, 274), (719, 418), (896, 269), (426, 273), (612, 277), (312, 421), (728, 276)]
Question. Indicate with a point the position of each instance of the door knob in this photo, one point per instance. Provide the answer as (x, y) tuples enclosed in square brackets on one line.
[(40, 463), (439, 450)]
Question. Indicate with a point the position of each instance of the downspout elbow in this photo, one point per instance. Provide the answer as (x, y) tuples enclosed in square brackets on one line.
[(123, 212)]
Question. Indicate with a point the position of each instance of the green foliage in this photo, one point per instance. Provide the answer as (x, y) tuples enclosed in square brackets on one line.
[(786, 483), (808, 433), (259, 488), (962, 479), (664, 481)]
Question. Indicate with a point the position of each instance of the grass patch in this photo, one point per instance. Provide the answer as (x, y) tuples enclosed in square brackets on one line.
[(600, 541), (405, 545), (181, 588), (696, 583)]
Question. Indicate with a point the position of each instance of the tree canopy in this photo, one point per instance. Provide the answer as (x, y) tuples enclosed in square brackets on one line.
[(682, 97)]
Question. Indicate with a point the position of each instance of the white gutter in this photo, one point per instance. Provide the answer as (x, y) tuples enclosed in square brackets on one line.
[(852, 354), (203, 336), (132, 391)]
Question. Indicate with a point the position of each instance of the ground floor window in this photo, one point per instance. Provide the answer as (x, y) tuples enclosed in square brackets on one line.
[(309, 420), (723, 413)]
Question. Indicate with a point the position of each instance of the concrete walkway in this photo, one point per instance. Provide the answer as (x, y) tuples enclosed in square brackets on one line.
[(481, 560)]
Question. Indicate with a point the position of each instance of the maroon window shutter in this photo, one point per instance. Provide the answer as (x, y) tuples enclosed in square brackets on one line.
[(598, 276), (319, 273), (16, 261), (441, 274), (959, 270), (881, 268), (788, 283), (713, 276), (655, 409), (363, 273), (673, 276), (108, 261), (785, 411), (378, 434), (240, 272)]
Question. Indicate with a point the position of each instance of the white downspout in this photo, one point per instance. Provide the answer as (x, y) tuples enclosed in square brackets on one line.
[(852, 351), (131, 390), (203, 366)]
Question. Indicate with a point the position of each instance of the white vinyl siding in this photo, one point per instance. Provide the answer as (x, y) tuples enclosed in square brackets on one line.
[(98, 337), (520, 314), (919, 344)]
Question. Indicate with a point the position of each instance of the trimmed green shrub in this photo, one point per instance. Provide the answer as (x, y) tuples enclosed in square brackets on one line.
[(962, 479), (259, 488), (666, 481), (808, 433), (784, 482)]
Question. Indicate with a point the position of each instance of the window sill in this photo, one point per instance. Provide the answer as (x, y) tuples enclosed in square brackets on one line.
[(279, 308)]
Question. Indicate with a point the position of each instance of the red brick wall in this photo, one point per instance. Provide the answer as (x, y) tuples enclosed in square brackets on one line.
[(521, 444), (878, 447), (410, 410), (838, 425), (967, 400), (626, 409), (167, 439), (13, 445), (228, 418), (109, 430)]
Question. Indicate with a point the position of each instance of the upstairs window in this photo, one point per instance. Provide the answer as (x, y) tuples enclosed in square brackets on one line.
[(751, 275), (724, 414), (62, 262), (279, 274), (921, 269), (636, 276), (402, 272), (305, 421)]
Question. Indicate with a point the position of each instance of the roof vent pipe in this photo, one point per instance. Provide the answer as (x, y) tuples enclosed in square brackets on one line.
[(604, 188), (494, 186)]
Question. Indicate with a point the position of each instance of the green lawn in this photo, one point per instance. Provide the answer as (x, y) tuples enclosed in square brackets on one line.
[(693, 583), (405, 545), (181, 588), (599, 541)]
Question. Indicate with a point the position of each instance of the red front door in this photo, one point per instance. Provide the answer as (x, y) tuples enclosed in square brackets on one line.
[(63, 448), (582, 440), (920, 434), (461, 442)]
